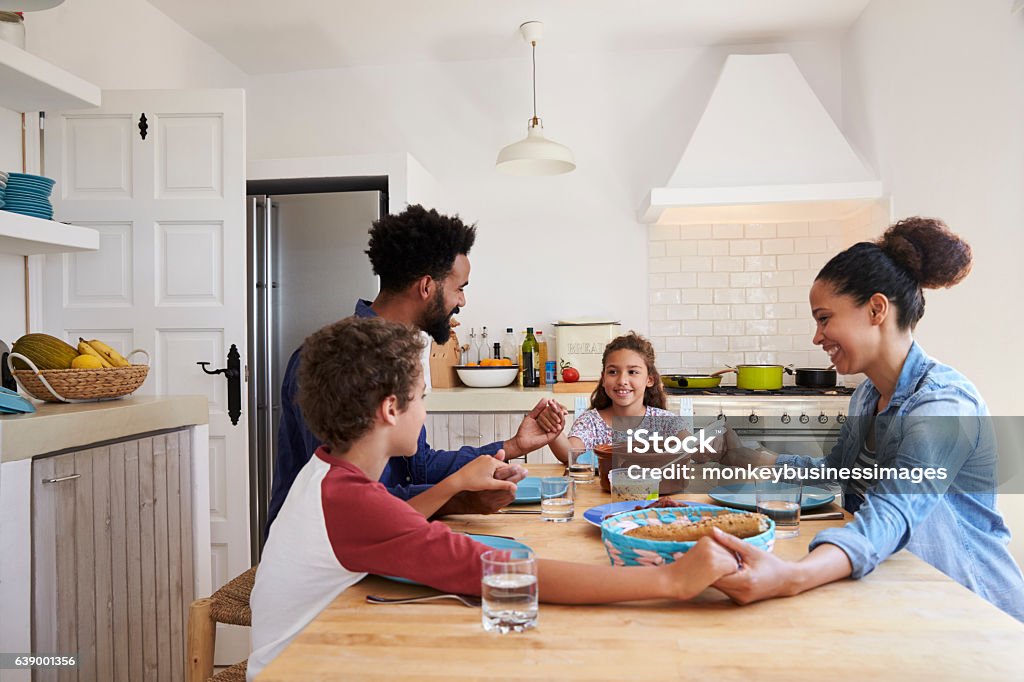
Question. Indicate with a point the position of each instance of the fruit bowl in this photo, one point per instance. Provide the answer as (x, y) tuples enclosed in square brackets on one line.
[(78, 385), (487, 376)]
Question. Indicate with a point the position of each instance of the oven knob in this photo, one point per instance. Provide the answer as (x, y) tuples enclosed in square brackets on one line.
[(841, 418), (752, 418), (822, 419), (804, 419), (721, 417), (786, 418)]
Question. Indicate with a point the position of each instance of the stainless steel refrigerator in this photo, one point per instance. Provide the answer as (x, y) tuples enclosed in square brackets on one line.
[(307, 267)]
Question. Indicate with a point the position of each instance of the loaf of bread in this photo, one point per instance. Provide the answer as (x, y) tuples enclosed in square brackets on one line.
[(740, 525)]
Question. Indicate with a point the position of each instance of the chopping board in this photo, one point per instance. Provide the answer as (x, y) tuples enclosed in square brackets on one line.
[(575, 387)]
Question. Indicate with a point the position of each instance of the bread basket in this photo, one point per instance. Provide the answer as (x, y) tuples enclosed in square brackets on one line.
[(625, 550), (78, 385)]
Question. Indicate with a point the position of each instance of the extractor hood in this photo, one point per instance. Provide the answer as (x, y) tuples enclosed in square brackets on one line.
[(765, 150)]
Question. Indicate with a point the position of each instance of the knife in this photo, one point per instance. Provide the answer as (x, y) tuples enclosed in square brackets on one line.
[(519, 511), (826, 516)]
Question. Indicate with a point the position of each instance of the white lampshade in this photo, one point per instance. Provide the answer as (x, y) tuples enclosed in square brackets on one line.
[(535, 155)]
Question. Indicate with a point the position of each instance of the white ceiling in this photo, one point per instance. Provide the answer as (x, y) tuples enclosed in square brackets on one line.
[(270, 36)]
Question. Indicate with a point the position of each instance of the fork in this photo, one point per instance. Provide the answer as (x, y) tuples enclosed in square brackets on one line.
[(466, 599)]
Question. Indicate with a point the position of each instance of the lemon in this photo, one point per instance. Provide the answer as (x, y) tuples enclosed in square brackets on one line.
[(86, 362)]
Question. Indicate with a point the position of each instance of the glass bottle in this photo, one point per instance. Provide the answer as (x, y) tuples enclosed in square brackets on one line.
[(542, 357), (484, 349), (509, 347), (497, 351), (473, 350), (531, 358)]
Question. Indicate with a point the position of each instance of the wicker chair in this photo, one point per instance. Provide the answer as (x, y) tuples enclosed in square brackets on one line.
[(229, 604)]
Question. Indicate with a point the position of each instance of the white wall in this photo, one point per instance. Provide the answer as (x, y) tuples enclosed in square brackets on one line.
[(548, 248), (933, 92)]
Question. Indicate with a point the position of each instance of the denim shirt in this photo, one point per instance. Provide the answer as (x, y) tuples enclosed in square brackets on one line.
[(952, 524), (404, 477)]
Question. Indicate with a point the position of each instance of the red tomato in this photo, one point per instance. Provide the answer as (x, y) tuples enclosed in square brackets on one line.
[(570, 375)]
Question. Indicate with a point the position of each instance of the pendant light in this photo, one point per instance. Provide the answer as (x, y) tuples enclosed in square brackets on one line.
[(535, 154), (28, 5)]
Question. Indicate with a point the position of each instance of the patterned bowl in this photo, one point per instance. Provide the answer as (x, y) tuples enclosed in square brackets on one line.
[(625, 550)]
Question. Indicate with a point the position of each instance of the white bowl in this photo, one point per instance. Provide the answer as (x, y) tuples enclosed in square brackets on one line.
[(487, 377)]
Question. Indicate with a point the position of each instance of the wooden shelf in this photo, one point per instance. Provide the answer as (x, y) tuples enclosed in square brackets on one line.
[(28, 83), (27, 236)]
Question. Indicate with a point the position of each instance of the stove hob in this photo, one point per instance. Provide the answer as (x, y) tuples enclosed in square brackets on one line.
[(785, 391)]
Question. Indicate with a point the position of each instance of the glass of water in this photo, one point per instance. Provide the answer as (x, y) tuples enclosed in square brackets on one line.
[(780, 501), (581, 464), (557, 495), (509, 590)]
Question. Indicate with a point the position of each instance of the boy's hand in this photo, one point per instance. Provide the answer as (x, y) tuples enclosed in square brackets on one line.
[(509, 472), (701, 567), (482, 474)]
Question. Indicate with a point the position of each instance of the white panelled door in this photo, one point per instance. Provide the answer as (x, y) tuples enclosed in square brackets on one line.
[(168, 198)]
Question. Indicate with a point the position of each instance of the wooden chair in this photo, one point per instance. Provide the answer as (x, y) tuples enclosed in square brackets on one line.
[(229, 604)]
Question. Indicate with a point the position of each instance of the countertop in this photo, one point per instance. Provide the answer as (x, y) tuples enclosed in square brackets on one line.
[(58, 426), (904, 621)]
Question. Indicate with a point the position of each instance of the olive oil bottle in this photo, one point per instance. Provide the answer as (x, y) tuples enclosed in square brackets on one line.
[(531, 360)]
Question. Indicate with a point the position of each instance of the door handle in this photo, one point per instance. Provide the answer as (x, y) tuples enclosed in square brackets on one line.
[(233, 373)]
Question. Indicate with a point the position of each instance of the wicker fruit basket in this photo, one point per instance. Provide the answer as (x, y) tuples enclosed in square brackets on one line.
[(79, 385)]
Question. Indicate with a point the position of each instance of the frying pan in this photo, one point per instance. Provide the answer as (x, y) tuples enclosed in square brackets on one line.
[(692, 380)]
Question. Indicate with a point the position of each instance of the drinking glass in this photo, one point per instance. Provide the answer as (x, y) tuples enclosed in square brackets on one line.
[(780, 501), (556, 498), (640, 487), (509, 590), (582, 471)]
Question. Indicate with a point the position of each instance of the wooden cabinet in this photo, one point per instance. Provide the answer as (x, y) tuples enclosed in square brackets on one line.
[(112, 571), (452, 430)]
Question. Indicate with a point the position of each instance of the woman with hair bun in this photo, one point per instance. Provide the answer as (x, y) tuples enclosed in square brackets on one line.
[(912, 413)]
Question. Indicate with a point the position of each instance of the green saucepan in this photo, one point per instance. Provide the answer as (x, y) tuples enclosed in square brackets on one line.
[(759, 377), (691, 380)]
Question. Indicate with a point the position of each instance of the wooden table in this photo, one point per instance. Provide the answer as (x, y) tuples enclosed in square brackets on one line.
[(906, 621)]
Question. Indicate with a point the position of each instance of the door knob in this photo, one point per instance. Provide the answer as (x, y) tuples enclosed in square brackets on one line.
[(233, 374)]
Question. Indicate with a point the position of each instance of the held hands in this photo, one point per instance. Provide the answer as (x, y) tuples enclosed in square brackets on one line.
[(762, 575), (540, 427), (707, 564), (487, 483)]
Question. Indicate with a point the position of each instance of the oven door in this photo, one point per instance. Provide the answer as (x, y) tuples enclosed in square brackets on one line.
[(803, 439)]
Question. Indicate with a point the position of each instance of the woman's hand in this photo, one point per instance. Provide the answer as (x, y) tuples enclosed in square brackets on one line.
[(762, 575), (700, 568)]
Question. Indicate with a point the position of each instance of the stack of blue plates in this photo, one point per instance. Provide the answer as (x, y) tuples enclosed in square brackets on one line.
[(28, 195), (3, 187)]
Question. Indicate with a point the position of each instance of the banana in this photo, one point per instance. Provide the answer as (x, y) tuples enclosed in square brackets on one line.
[(109, 354), (85, 349)]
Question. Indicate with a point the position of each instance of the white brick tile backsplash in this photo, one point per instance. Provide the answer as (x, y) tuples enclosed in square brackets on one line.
[(665, 297), (727, 231), (776, 246), (764, 264), (656, 249), (776, 343), (723, 360), (695, 232), (760, 327), (682, 312), (658, 343), (670, 359), (792, 230), (668, 328), (713, 312), (706, 344), (748, 311), (664, 265), (744, 343), (745, 279), (663, 232), (728, 328), (792, 294), (695, 362), (801, 325), (694, 264), (834, 245), (713, 247), (794, 262), (656, 281), (825, 228), (762, 295), (779, 278), (744, 247), (697, 328), (658, 312), (727, 264), (680, 280), (763, 357), (779, 311), (730, 296), (809, 245), (677, 247), (760, 230), (713, 280), (805, 278), (695, 295), (681, 344)]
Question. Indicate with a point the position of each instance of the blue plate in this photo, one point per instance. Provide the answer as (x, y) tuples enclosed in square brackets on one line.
[(528, 491), (742, 496), (489, 540), (588, 457), (595, 515)]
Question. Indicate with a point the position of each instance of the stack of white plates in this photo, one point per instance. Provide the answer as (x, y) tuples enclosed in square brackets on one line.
[(29, 195)]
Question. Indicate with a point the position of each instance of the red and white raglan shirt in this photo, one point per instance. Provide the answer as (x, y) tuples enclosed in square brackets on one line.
[(335, 526)]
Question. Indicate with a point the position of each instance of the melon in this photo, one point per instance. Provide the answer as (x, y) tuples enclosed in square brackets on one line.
[(47, 352)]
